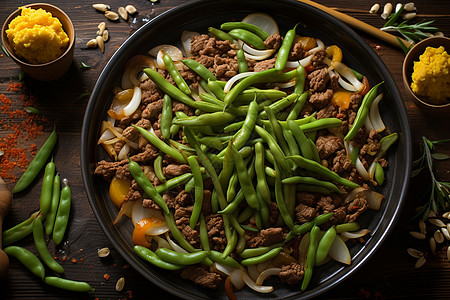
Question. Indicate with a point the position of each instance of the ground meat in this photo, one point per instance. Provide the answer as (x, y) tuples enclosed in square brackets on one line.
[(225, 68), (149, 153), (125, 121), (216, 233), (341, 162), (273, 212), (305, 213), (267, 237), (118, 146), (132, 133), (169, 199), (326, 203), (306, 198), (108, 169), (191, 235), (264, 65), (180, 106), (149, 92), (334, 83), (209, 46), (149, 203), (292, 273), (183, 198), (206, 204), (134, 192), (320, 100), (297, 52), (207, 61), (123, 172), (152, 110), (371, 147), (318, 57), (273, 41), (202, 277), (356, 208), (338, 216), (328, 111), (176, 170), (317, 80), (328, 145)]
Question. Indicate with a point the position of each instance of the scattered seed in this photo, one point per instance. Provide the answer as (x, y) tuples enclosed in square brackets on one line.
[(409, 16), (111, 15), (409, 6), (398, 7), (105, 35), (130, 9), (386, 10), (120, 284), (104, 252), (445, 215), (92, 43), (123, 13), (101, 7), (100, 43), (101, 28), (436, 222), (414, 252), (433, 245), (438, 236), (422, 227), (417, 235), (445, 233), (374, 9), (420, 262)]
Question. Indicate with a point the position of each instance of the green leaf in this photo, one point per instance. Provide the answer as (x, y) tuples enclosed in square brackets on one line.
[(440, 141), (31, 110), (22, 75), (86, 94), (85, 66), (403, 46), (416, 172), (440, 156), (5, 51)]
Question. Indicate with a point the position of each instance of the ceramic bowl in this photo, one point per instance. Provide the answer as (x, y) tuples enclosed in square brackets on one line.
[(408, 68), (53, 69)]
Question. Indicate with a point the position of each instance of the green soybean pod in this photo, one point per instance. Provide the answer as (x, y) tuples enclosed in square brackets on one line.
[(63, 213), (19, 231), (154, 259), (325, 244), (46, 189), (50, 219), (181, 258), (379, 173), (179, 81), (261, 258), (242, 62), (70, 285), (41, 247), (28, 259), (166, 116), (36, 164), (198, 198), (157, 166)]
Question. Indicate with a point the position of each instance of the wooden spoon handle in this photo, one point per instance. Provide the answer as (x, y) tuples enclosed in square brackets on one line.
[(389, 38)]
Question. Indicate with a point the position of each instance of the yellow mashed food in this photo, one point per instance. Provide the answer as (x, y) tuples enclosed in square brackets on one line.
[(37, 36), (431, 76)]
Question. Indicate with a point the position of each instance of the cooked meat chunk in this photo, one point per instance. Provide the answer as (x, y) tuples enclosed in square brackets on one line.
[(149, 92), (328, 145), (266, 237), (296, 52), (317, 58), (202, 277), (306, 198), (108, 169), (175, 170), (317, 80), (149, 153), (321, 99), (273, 41), (152, 110), (356, 208), (265, 65), (292, 273), (305, 213)]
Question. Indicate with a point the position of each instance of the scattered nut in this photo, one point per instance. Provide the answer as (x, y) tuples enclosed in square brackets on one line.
[(414, 253), (438, 236), (101, 28), (422, 227), (386, 10), (100, 43), (120, 284), (398, 7), (123, 13), (111, 15), (436, 222), (130, 9), (409, 16), (417, 235), (445, 233), (104, 252), (420, 262), (101, 7), (92, 43), (433, 245), (409, 6), (105, 35), (374, 9)]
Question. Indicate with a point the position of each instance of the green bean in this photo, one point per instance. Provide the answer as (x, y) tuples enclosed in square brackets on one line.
[(289, 193), (50, 219), (211, 99), (36, 164), (279, 197), (155, 141), (242, 62), (252, 252), (351, 226), (221, 35), (264, 209), (70, 285), (166, 117), (216, 89), (240, 246), (285, 49), (325, 244), (246, 130), (311, 256), (41, 247), (248, 228), (227, 167), (215, 206), (245, 214), (204, 240), (247, 26), (19, 231), (47, 186), (269, 156), (261, 182), (280, 105), (321, 124), (173, 182), (261, 258), (300, 80), (249, 95), (211, 119), (28, 259), (271, 75), (205, 86), (312, 189), (317, 168), (154, 259), (174, 129), (190, 185), (306, 227), (233, 205), (179, 81), (277, 130), (278, 154), (379, 173), (198, 201), (245, 180), (227, 261), (200, 69), (312, 181), (385, 143), (302, 140), (297, 107), (146, 185), (63, 213), (231, 243), (290, 139), (178, 258), (212, 142), (362, 113), (270, 172), (157, 166), (248, 37), (357, 74), (176, 233)]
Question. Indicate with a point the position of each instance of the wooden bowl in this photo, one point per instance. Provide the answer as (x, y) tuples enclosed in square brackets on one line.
[(408, 68), (53, 69)]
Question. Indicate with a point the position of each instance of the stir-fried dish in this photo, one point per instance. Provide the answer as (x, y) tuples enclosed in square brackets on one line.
[(246, 154)]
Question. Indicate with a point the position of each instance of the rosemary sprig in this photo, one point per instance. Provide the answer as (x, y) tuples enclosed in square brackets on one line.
[(439, 191), (412, 32)]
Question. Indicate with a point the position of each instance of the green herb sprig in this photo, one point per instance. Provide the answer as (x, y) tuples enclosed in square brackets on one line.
[(413, 32), (439, 191)]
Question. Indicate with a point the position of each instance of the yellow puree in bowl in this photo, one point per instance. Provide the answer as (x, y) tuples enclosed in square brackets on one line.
[(431, 76), (37, 36)]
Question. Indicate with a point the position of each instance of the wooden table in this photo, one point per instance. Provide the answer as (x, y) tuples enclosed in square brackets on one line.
[(390, 273)]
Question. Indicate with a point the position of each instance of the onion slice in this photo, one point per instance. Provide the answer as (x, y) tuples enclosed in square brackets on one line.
[(174, 245), (375, 116), (123, 152), (134, 66), (186, 38), (162, 243), (174, 52), (263, 21), (256, 54), (139, 212), (134, 103), (345, 72), (257, 288), (352, 195), (235, 275), (339, 251), (266, 273), (355, 234), (125, 209), (235, 78), (374, 199)]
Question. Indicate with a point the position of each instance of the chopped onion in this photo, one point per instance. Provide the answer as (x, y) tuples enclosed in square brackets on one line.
[(162, 243), (320, 46), (234, 274), (263, 21), (253, 272), (294, 64), (174, 52), (123, 152), (358, 164), (256, 54), (352, 195), (125, 209), (374, 199), (186, 38), (106, 135), (375, 116), (305, 61), (266, 273), (158, 229), (134, 66), (345, 72), (257, 288), (139, 212), (339, 251), (235, 78), (134, 102), (160, 61), (345, 85), (355, 234), (174, 245), (368, 123)]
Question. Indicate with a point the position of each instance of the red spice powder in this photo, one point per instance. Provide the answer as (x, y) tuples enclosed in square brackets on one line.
[(106, 276), (18, 126), (74, 260)]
